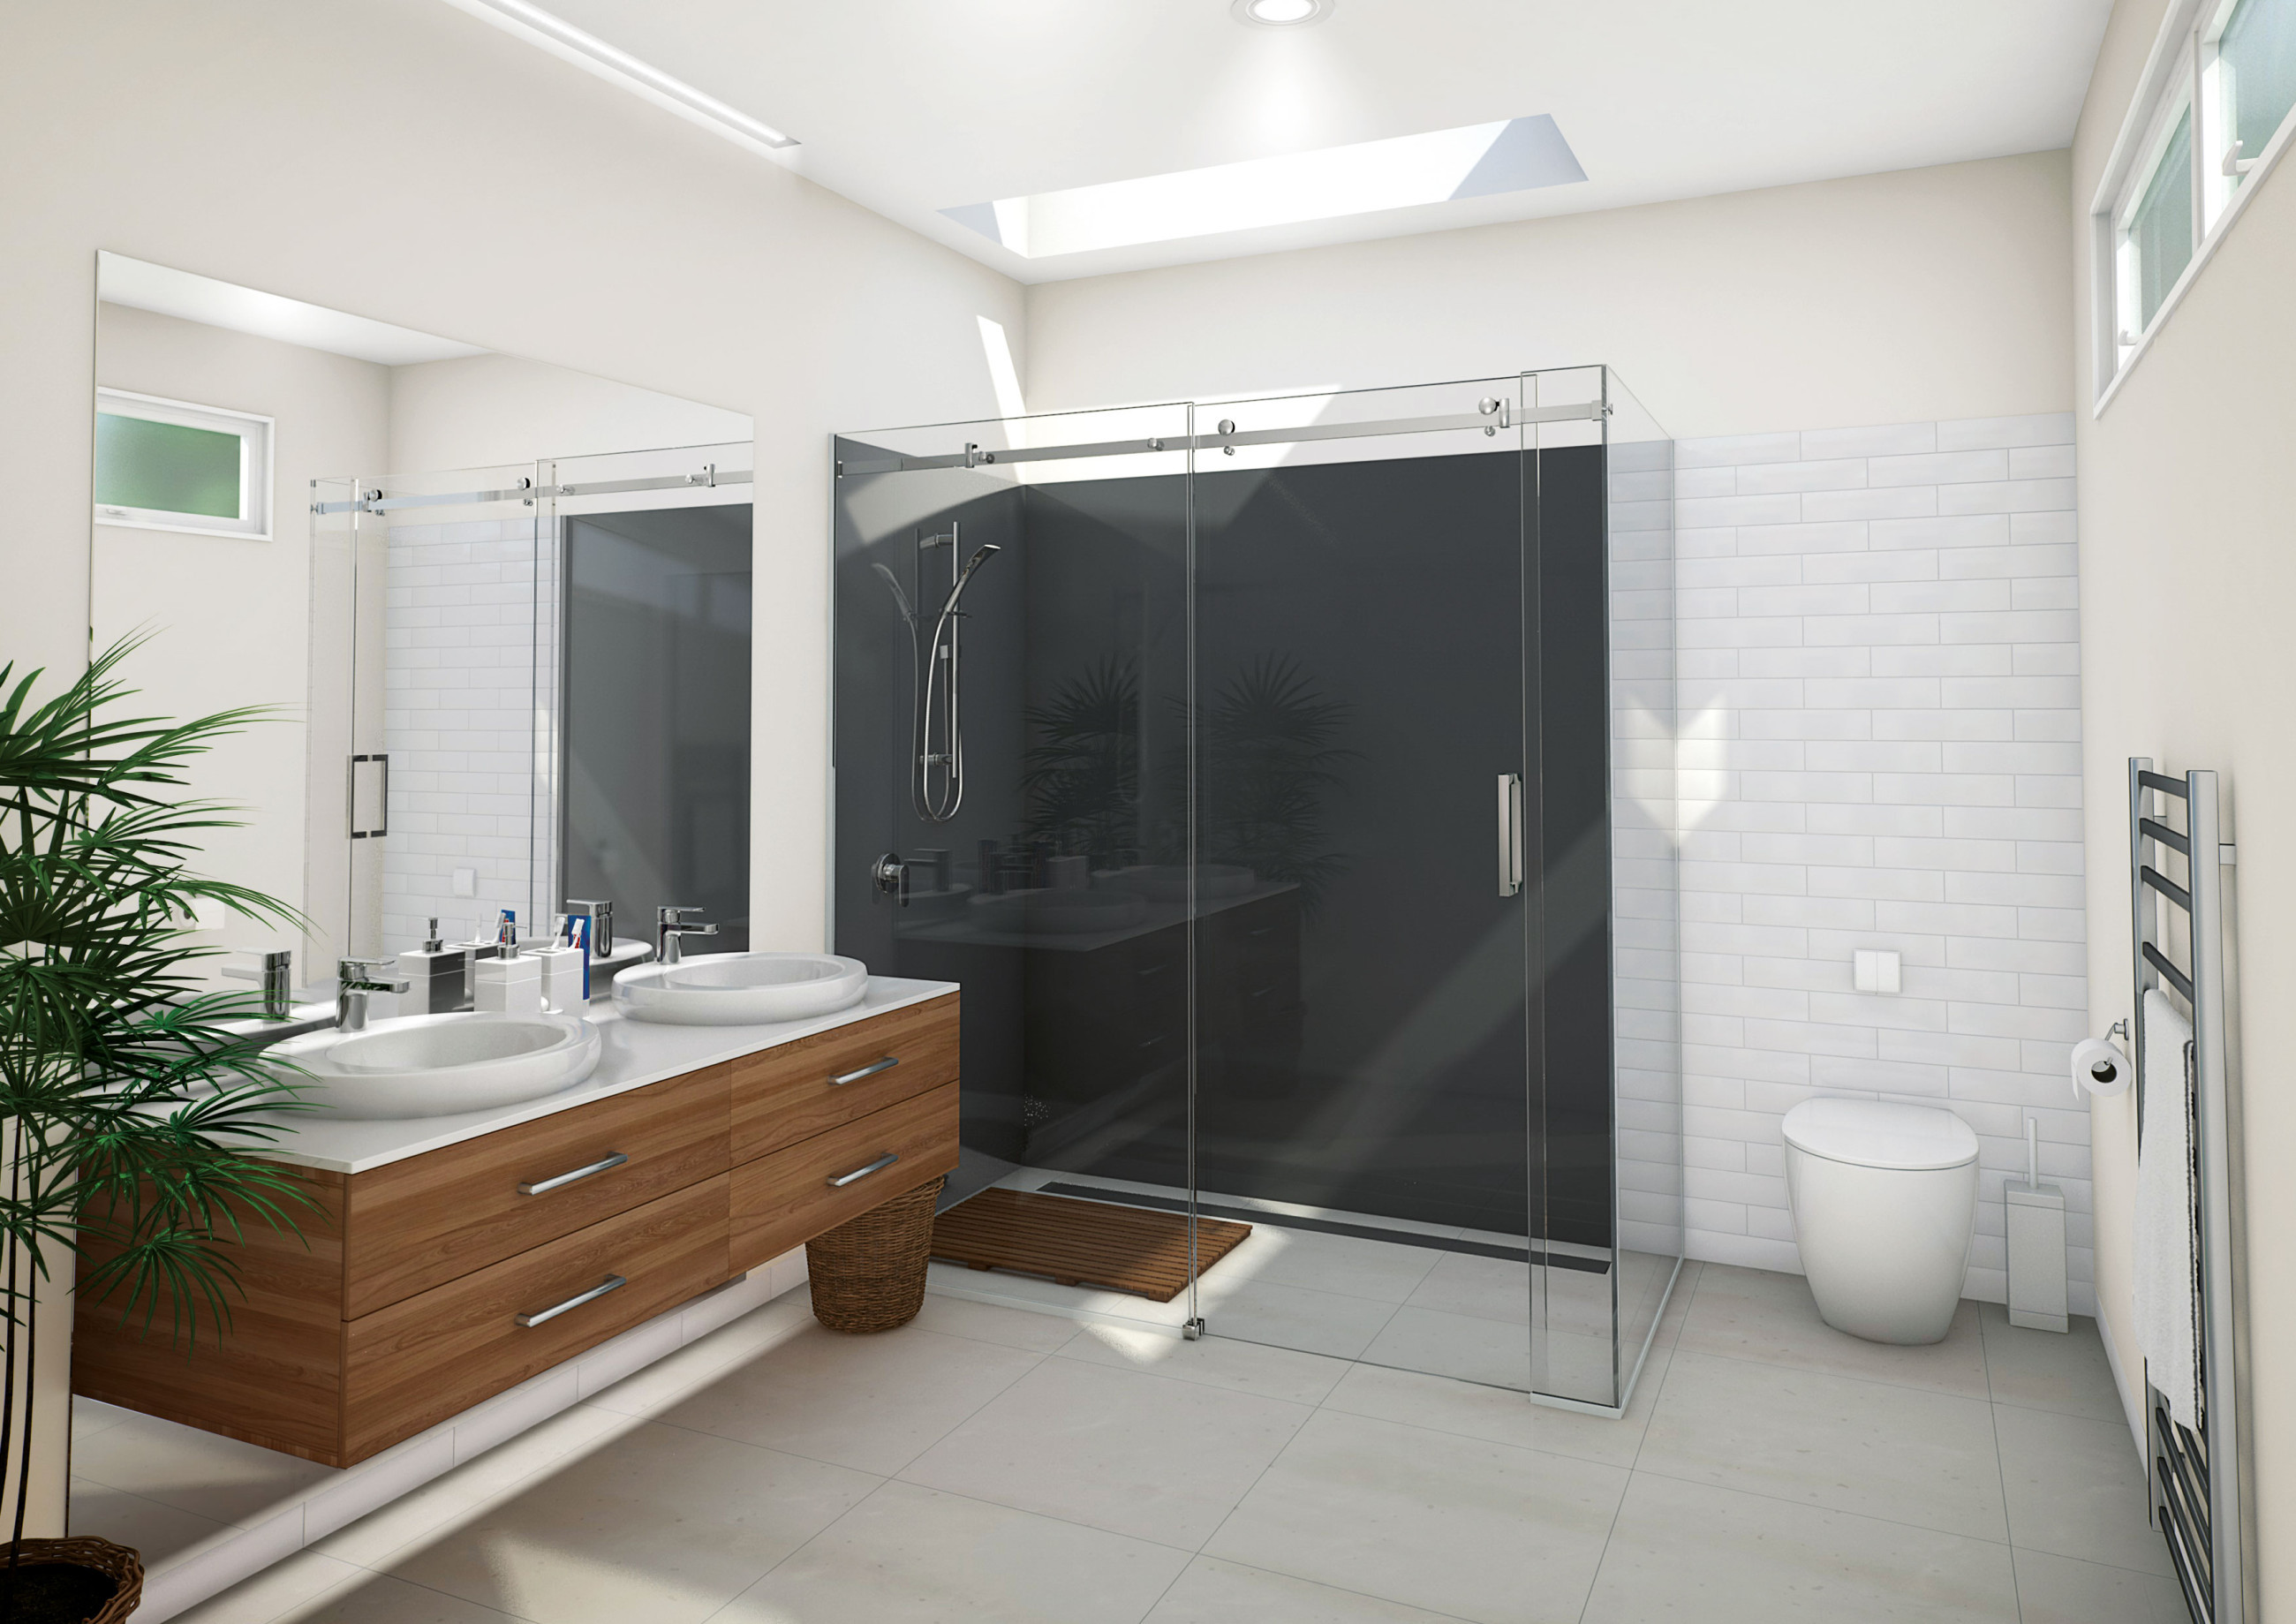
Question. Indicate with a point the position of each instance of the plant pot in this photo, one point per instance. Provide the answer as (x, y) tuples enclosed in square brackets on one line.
[(116, 1563), (868, 1273)]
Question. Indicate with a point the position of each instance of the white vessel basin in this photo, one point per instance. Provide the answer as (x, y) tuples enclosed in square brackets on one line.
[(440, 1065), (742, 988)]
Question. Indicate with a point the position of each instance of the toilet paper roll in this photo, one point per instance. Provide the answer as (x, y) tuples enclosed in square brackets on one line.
[(2100, 1068)]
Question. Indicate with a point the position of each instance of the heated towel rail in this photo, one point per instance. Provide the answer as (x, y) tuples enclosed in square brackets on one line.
[(2194, 1477)]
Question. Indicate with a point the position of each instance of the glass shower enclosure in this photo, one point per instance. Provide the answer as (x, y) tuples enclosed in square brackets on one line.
[(1290, 785)]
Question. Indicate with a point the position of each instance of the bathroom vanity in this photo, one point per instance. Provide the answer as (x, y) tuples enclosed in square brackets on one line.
[(447, 1259)]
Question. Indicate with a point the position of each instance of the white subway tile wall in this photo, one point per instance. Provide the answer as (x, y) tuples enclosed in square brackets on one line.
[(470, 621), (1878, 686)]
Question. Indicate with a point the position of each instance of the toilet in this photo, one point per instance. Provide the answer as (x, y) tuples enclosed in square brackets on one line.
[(1884, 1200)]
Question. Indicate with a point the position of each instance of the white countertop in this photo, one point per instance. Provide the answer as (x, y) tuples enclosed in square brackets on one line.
[(635, 1052)]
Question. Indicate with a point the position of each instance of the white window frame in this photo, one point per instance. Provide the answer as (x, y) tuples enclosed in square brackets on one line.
[(253, 432), (2182, 72)]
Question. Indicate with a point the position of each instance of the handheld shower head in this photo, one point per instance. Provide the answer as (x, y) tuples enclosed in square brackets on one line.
[(979, 557)]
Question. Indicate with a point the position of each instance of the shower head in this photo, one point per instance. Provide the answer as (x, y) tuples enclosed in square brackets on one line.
[(893, 584), (979, 558)]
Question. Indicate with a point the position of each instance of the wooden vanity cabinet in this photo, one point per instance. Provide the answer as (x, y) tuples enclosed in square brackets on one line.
[(424, 1286)]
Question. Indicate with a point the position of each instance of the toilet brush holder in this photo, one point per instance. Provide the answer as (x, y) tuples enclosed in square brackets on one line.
[(2036, 1224)]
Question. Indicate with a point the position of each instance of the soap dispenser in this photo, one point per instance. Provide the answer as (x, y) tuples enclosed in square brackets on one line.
[(438, 975), (510, 983)]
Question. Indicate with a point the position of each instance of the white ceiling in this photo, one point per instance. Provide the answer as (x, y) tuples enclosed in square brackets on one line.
[(913, 106)]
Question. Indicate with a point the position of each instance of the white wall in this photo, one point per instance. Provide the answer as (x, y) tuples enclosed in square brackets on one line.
[(2188, 565), (326, 150), (1911, 296), (1879, 657), (485, 411)]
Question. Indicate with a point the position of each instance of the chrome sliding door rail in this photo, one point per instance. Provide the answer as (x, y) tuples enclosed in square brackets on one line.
[(709, 477), (1503, 414)]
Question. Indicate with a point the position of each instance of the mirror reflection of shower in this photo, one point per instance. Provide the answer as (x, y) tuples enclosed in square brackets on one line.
[(937, 739)]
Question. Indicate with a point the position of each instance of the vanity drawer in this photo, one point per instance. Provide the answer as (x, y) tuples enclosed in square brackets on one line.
[(421, 1361), (789, 1093), (419, 1223), (785, 1199)]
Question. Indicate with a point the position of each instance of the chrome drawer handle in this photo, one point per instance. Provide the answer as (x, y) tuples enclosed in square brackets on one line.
[(613, 1160), (841, 1180), (612, 1283), (886, 1064)]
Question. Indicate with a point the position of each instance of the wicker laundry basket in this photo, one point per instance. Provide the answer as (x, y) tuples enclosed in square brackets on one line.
[(868, 1273), (123, 1566)]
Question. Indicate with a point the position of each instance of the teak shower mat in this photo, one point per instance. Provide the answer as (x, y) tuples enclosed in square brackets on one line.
[(1080, 1242)]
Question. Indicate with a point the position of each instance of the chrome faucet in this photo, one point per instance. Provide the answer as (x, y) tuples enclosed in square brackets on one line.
[(673, 934), (600, 915), (355, 978), (277, 972)]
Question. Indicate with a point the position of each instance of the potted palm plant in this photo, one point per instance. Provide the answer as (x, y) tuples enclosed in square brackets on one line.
[(128, 1101)]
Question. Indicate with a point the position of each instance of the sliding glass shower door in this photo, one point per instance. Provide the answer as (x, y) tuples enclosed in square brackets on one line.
[(1289, 783), (1362, 663)]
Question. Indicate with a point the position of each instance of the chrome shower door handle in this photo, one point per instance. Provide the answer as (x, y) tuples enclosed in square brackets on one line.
[(1510, 834)]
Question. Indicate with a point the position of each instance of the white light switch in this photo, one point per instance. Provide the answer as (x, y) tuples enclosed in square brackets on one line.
[(466, 883), (1877, 970)]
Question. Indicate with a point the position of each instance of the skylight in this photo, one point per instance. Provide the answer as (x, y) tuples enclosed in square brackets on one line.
[(1475, 160)]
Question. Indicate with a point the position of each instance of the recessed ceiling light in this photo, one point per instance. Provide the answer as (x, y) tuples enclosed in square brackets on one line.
[(1281, 14)]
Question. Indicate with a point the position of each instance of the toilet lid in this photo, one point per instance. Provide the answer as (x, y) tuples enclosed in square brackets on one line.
[(1876, 1133)]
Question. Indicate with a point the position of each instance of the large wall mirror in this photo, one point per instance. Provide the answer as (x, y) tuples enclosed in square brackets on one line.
[(499, 613)]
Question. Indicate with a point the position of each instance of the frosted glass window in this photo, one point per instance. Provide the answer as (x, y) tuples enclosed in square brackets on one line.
[(2162, 229), (167, 467), (2258, 58), (172, 466)]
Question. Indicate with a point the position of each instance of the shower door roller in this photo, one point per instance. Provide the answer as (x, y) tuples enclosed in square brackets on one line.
[(891, 876), (1510, 834)]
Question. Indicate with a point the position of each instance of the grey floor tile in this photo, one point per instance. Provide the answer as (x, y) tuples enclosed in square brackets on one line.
[(913, 1555), (90, 1416), (1677, 1304), (2076, 1488), (1755, 1314), (1499, 1415), (987, 1323), (1483, 1288), (658, 1524), (1717, 1556), (471, 1488), (289, 1589), (1868, 1448), (1431, 1520), (1215, 1591), (1336, 1327), (1467, 1346), (1140, 1455), (1217, 1361), (2060, 1590), (378, 1599), (2048, 1370), (203, 1473), (873, 1403), (156, 1530)]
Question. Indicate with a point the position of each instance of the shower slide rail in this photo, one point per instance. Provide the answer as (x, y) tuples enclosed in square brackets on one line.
[(1495, 414), (2194, 1479)]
